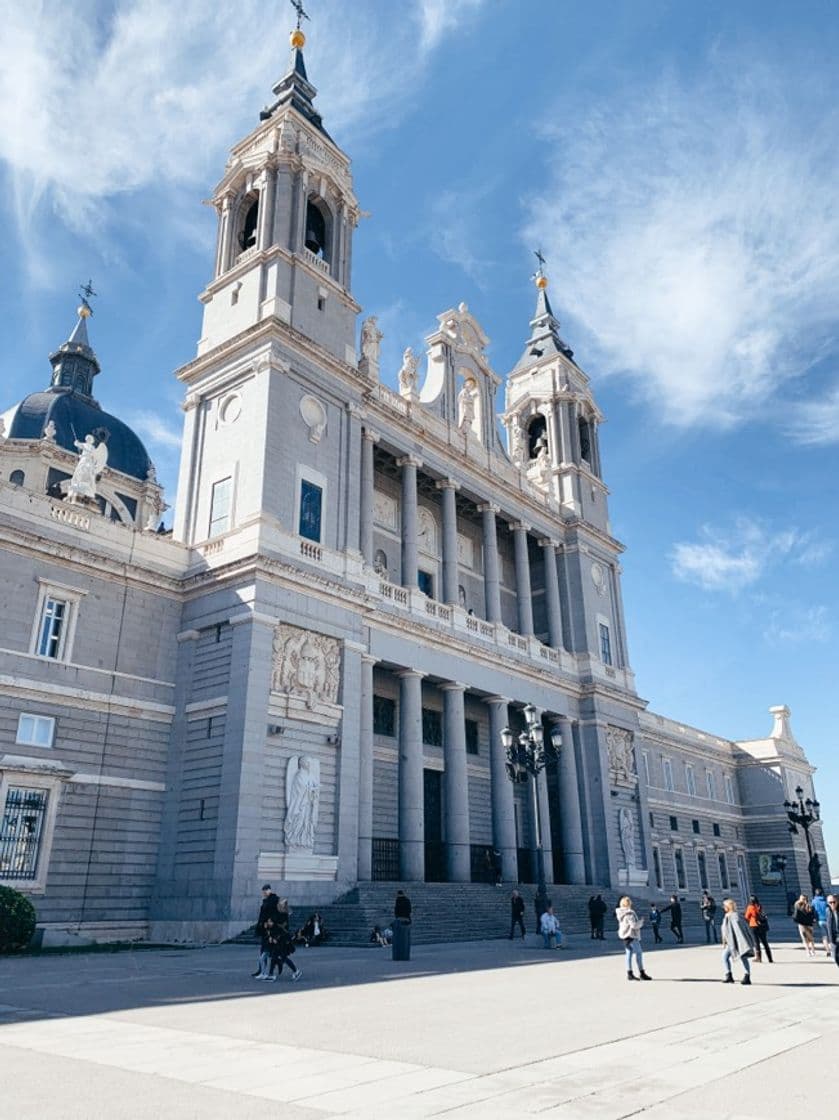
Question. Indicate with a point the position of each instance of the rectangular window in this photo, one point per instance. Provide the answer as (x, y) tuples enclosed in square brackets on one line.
[(702, 869), (35, 731), (384, 716), (729, 789), (425, 582), (652, 820), (695, 826), (667, 768), (709, 782), (690, 781), (679, 860), (432, 727), (646, 760), (716, 829), (605, 644), (724, 883), (471, 736), (52, 628), (22, 826), (311, 505), (674, 824), (220, 506), (659, 882)]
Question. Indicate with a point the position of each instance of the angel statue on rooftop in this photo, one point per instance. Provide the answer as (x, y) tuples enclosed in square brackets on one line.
[(92, 459)]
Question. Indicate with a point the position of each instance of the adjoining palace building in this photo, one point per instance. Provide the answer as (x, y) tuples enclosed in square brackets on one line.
[(308, 679)]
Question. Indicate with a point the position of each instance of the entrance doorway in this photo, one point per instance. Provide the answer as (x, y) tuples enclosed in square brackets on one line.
[(435, 856)]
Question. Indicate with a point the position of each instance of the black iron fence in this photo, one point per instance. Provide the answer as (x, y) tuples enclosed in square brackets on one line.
[(385, 860), (20, 833)]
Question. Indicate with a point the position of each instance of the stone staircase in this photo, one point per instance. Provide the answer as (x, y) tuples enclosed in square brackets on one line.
[(468, 911)]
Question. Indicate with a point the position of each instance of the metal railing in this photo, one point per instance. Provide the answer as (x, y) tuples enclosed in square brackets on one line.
[(20, 833)]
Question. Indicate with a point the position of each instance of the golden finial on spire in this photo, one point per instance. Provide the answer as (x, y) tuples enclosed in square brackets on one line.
[(298, 39), (539, 277)]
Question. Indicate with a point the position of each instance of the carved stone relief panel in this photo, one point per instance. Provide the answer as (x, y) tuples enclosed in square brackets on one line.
[(621, 749), (385, 511), (426, 532), (465, 551), (306, 674)]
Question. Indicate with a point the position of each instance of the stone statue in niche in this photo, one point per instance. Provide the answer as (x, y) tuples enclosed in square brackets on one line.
[(92, 459), (302, 798), (627, 834), (408, 375), (516, 440), (466, 405), (371, 341), (621, 754), (306, 665)]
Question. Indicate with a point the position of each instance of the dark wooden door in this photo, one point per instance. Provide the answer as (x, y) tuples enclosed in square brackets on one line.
[(435, 856)]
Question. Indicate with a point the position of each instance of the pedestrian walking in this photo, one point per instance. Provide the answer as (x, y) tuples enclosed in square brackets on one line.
[(600, 909), (592, 916), (804, 917), (833, 925), (517, 914), (268, 909), (551, 933), (655, 922), (820, 908), (759, 925), (629, 931), (709, 916), (675, 911), (402, 918), (737, 941), (280, 947)]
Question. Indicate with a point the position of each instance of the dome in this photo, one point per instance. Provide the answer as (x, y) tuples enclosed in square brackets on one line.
[(75, 417)]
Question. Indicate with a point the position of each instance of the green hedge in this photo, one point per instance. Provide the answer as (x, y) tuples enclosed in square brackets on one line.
[(17, 920)]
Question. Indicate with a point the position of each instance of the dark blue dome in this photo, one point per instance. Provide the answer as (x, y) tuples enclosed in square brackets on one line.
[(76, 416)]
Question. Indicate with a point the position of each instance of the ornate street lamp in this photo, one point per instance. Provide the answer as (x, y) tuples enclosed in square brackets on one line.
[(803, 814), (527, 754)]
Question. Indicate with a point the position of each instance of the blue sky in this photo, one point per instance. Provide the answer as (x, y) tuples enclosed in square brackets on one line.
[(676, 163)]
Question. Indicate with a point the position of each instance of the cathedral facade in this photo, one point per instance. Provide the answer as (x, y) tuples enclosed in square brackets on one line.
[(367, 594)]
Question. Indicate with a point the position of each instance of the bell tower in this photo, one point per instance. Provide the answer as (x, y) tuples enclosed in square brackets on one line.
[(286, 215)]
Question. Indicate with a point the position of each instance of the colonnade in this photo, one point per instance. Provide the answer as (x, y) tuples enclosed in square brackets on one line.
[(456, 824), (409, 466)]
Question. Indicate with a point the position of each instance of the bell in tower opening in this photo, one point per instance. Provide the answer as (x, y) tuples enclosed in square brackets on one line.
[(317, 230)]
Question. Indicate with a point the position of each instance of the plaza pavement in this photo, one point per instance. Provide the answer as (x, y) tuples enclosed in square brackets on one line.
[(477, 1030)]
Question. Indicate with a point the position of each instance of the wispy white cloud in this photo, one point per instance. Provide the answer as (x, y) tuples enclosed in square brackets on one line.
[(454, 230), (793, 625), (155, 93), (160, 433), (815, 422), (736, 556), (693, 234)]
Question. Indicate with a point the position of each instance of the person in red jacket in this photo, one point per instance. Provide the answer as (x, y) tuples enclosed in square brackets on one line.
[(759, 925)]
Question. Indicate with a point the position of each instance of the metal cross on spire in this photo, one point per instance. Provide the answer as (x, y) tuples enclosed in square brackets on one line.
[(301, 11), (86, 291), (537, 253)]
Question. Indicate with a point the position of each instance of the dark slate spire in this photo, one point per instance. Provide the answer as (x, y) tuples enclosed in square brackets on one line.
[(295, 89), (74, 365), (545, 339)]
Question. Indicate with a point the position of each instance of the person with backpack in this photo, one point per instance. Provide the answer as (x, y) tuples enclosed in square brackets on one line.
[(759, 925), (709, 916)]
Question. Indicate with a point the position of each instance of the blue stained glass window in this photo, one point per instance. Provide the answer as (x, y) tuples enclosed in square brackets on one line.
[(311, 503)]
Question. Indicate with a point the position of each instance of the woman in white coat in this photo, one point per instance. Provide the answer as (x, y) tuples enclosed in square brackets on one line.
[(737, 941), (629, 931)]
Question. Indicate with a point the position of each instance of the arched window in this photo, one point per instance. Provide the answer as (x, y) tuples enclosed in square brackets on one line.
[(585, 439), (247, 232), (537, 437), (318, 238), (17, 478)]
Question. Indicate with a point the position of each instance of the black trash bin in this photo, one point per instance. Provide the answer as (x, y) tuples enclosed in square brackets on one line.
[(401, 944)]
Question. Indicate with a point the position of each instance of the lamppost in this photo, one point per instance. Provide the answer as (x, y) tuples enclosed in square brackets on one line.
[(803, 814), (526, 756)]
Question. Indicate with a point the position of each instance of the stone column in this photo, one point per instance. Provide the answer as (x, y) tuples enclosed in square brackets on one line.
[(365, 771), (570, 817), (456, 785), (503, 814), (409, 465), (552, 593), (225, 236), (523, 595), (369, 439), (555, 426), (411, 790), (492, 588), (267, 182), (448, 489)]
